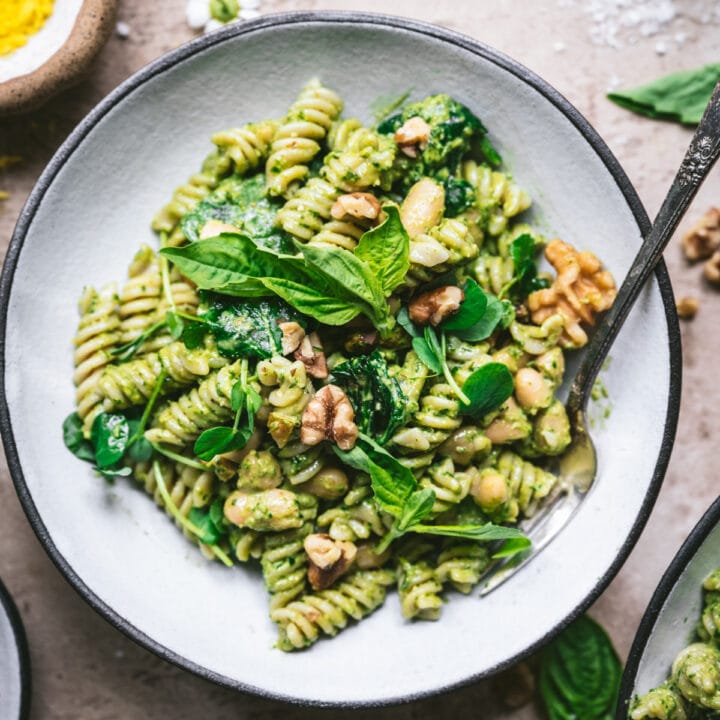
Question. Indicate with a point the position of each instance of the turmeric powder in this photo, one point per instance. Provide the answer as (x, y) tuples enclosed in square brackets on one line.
[(19, 20)]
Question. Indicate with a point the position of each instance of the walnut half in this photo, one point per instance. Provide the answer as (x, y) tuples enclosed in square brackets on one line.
[(329, 559), (703, 238), (435, 305), (329, 416), (412, 136), (361, 205)]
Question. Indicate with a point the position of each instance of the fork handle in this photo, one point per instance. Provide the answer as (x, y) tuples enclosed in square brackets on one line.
[(701, 155)]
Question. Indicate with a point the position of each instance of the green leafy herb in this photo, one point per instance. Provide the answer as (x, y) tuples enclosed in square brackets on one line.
[(397, 493), (459, 196), (471, 309), (138, 448), (487, 388), (384, 106), (210, 522), (385, 249), (525, 279), (512, 547), (377, 398), (74, 439), (491, 154), (127, 351), (109, 435), (580, 673), (681, 96), (247, 328), (498, 313), (424, 351)]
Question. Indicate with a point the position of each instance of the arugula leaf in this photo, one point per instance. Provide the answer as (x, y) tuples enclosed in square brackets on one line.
[(217, 440), (681, 96), (580, 673), (385, 249), (74, 439), (109, 436), (253, 403), (313, 302), (247, 328), (487, 388), (485, 532), (125, 352), (377, 398), (138, 448), (471, 309)]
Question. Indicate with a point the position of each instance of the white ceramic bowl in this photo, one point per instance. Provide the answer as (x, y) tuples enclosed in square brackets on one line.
[(86, 217), (14, 662), (672, 614)]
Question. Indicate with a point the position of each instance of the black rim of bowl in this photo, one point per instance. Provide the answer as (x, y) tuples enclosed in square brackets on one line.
[(13, 616), (319, 18), (680, 562)]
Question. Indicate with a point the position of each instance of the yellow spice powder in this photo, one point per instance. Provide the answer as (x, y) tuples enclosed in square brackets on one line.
[(19, 19)]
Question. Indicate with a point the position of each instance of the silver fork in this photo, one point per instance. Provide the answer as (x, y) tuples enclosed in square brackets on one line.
[(578, 466)]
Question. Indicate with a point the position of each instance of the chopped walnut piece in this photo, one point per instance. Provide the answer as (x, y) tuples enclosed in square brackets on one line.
[(412, 136), (361, 205), (329, 559), (329, 416), (435, 305), (580, 290), (711, 268), (215, 227), (703, 238), (687, 307), (311, 355), (292, 335)]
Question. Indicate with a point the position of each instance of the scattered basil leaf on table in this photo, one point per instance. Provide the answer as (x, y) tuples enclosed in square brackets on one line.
[(681, 96), (580, 673)]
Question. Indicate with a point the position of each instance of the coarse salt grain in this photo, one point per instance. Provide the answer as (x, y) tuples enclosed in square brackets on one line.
[(122, 30)]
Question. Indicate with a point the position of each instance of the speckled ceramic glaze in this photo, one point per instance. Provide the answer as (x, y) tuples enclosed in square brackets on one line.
[(84, 221), (669, 622), (91, 28), (14, 662)]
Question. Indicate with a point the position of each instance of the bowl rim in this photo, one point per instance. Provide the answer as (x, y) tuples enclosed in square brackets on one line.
[(21, 645), (682, 558), (237, 30)]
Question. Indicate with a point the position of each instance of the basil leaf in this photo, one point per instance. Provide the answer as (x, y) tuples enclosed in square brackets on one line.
[(352, 278), (426, 355), (486, 532), (138, 448), (218, 440), (495, 314), (512, 547), (491, 154), (194, 334), (247, 328), (386, 250), (314, 303), (253, 402), (175, 325), (459, 196), (471, 309), (681, 96), (203, 521), (487, 388), (417, 507), (74, 439), (580, 673), (109, 436), (377, 398)]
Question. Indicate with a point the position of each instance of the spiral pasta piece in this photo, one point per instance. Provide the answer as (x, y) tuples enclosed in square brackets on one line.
[(284, 565), (247, 146), (304, 214), (291, 392), (133, 382), (493, 272), (418, 588), (496, 195), (186, 197), (661, 703), (296, 141), (303, 621), (461, 563), (206, 405), (340, 133), (97, 334), (450, 487)]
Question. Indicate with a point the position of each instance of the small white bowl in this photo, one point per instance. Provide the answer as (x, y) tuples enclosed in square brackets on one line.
[(82, 224), (14, 661), (673, 612)]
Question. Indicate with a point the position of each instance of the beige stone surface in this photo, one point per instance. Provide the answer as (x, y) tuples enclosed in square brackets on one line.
[(82, 667)]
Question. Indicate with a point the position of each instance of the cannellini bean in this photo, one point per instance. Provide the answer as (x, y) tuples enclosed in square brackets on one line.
[(489, 490), (531, 389), (423, 207)]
